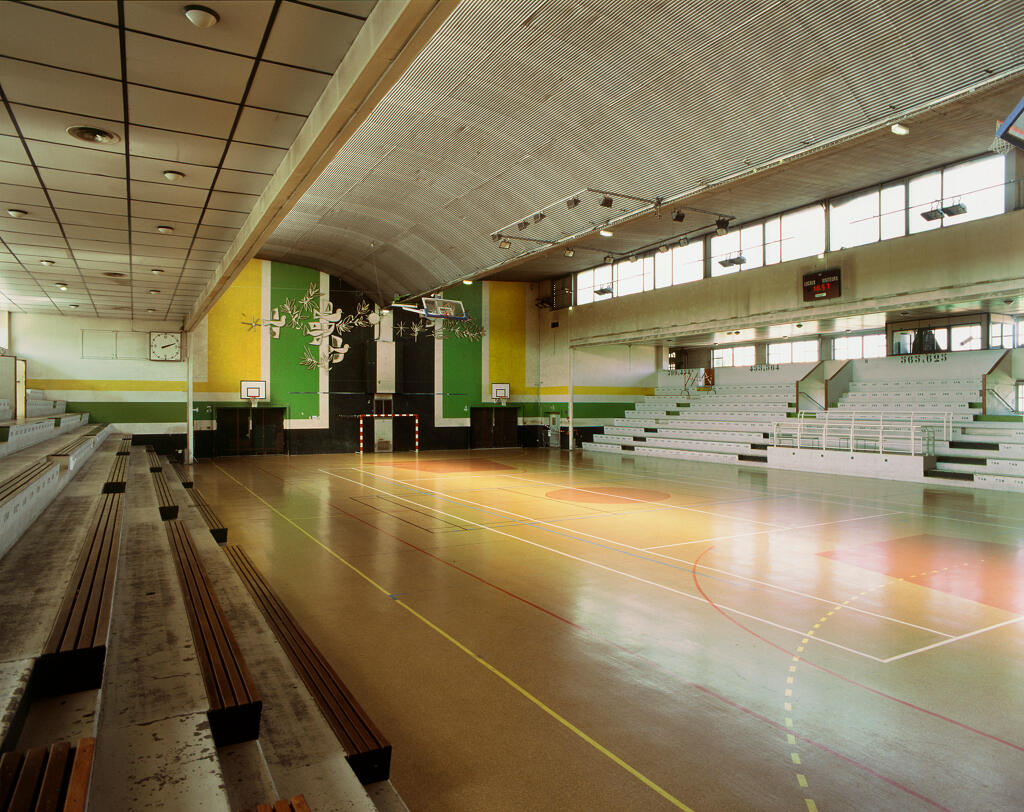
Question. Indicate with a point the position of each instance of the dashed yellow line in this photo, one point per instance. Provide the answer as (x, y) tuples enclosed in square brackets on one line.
[(500, 674)]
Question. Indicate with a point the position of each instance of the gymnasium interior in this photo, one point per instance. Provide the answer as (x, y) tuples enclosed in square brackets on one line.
[(469, 405)]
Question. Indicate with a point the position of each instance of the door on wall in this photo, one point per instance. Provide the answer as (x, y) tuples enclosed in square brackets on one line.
[(244, 430), (19, 388), (494, 426)]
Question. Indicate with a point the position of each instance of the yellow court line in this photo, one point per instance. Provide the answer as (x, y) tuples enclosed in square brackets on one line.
[(500, 674)]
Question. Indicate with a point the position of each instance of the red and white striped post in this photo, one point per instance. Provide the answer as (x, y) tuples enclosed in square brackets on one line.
[(413, 415)]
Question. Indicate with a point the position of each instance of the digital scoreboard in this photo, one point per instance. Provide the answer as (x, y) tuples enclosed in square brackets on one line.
[(825, 284)]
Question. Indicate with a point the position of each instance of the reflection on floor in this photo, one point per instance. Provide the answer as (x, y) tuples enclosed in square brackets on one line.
[(535, 629)]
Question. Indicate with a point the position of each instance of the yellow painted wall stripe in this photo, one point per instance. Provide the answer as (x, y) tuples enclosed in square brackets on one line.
[(106, 386), (506, 335), (500, 674)]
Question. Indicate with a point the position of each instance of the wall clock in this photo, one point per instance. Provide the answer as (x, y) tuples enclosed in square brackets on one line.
[(165, 346)]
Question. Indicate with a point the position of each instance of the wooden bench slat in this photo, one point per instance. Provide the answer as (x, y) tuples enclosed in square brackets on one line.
[(367, 751), (72, 659), (28, 780), (218, 529), (14, 484), (53, 778), (10, 765), (235, 704), (165, 500), (78, 782)]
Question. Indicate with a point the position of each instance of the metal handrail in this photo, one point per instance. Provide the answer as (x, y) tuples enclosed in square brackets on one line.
[(1002, 400), (860, 428)]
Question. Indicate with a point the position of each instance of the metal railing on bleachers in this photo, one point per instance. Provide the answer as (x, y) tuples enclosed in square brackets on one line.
[(872, 431)]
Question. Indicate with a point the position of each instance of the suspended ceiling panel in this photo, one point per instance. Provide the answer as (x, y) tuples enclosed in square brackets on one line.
[(514, 106), (220, 105)]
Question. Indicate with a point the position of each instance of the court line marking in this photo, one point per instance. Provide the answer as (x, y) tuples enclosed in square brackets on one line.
[(462, 647), (954, 639), (569, 533), (590, 563), (719, 608), (776, 530), (632, 499), (601, 638)]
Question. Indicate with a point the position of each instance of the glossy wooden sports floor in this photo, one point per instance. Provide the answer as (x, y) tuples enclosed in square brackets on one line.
[(546, 630)]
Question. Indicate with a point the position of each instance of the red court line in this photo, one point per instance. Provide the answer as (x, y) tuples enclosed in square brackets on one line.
[(836, 674), (708, 691)]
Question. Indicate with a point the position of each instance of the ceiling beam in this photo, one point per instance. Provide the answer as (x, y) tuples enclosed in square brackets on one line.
[(392, 36)]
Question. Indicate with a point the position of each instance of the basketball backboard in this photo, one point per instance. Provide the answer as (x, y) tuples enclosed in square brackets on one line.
[(252, 391), (436, 308)]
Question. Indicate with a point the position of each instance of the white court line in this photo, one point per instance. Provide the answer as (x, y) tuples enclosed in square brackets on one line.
[(762, 532), (952, 640), (590, 563), (571, 531), (644, 501)]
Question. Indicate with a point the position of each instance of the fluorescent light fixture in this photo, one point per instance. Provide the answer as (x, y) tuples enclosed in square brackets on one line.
[(522, 225), (607, 202), (572, 202), (604, 232), (569, 252), (955, 209), (899, 129), (934, 213), (602, 291), (467, 281), (506, 244), (538, 217), (721, 226), (685, 241), (662, 249), (678, 216)]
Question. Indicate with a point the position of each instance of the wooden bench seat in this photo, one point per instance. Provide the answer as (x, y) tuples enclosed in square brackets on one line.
[(96, 428), (72, 659), (164, 497), (70, 448), (47, 779), (125, 447), (184, 474), (15, 484), (117, 479), (154, 460), (218, 529), (235, 704), (368, 752)]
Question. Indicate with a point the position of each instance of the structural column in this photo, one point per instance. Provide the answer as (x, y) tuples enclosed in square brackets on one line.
[(572, 356), (190, 456)]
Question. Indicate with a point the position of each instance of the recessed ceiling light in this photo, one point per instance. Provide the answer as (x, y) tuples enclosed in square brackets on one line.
[(156, 270), (899, 129), (569, 252), (47, 262), (201, 16), (114, 274), (151, 310), (173, 174), (17, 212), (62, 285), (153, 290), (71, 305), (94, 135), (604, 232), (165, 229)]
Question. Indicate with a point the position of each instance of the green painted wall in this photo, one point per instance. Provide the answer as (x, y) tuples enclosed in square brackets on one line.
[(287, 377), (462, 365), (101, 411)]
